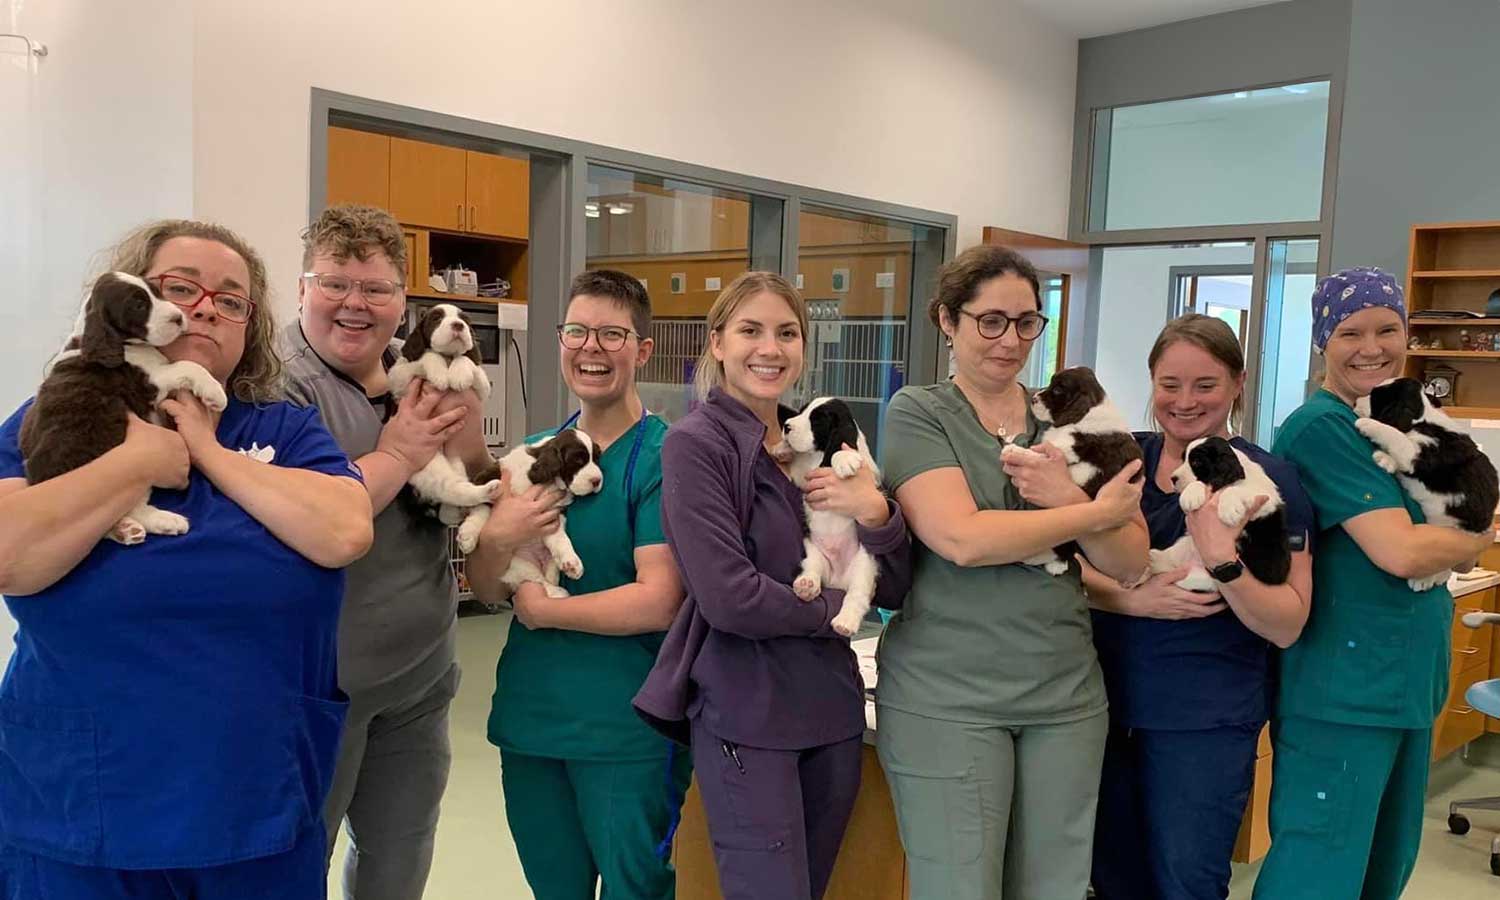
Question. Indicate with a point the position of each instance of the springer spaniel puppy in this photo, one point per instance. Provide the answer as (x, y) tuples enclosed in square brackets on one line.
[(441, 351), (1092, 435), (1439, 466), (112, 367), (569, 461), (1213, 463), (813, 438)]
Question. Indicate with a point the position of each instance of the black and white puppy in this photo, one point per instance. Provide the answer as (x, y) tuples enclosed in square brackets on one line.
[(569, 461), (1092, 435), (1213, 464), (110, 368), (441, 351), (1439, 466), (815, 438)]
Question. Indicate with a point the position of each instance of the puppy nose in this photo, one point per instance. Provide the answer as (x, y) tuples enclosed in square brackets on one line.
[(458, 326), (595, 481)]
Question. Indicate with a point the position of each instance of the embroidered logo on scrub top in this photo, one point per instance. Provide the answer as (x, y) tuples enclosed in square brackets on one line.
[(257, 452)]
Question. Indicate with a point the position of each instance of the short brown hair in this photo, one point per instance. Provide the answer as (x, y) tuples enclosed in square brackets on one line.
[(621, 288), (960, 278), (257, 376), (710, 372), (1213, 336), (351, 230)]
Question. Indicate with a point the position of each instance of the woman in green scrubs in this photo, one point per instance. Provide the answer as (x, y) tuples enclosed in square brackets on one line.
[(1360, 690), (591, 791)]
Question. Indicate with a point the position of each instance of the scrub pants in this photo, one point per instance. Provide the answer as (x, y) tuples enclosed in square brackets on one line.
[(1346, 810), (393, 767), (991, 811), (575, 822), (776, 817), (1170, 806), (297, 874)]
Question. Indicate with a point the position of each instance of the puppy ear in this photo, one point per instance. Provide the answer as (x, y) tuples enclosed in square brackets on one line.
[(549, 464), (417, 342), (473, 355), (844, 432), (102, 342)]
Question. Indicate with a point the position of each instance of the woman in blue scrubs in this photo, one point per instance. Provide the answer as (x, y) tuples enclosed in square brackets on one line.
[(1187, 673), (170, 717)]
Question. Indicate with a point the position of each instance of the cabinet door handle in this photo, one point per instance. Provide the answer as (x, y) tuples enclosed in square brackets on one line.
[(460, 217), (472, 226), (1471, 610), (1469, 651), (1462, 710)]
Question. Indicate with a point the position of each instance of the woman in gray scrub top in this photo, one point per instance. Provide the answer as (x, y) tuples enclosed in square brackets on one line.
[(991, 708)]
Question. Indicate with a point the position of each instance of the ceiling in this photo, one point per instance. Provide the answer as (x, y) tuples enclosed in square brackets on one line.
[(1092, 18)]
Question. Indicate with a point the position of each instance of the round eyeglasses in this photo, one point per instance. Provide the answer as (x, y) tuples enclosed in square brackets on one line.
[(610, 337), (992, 325), (376, 291)]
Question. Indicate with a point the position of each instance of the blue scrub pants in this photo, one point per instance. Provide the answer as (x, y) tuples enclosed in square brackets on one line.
[(1170, 806), (297, 874)]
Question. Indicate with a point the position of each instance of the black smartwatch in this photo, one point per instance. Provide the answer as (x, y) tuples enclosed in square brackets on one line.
[(1227, 572)]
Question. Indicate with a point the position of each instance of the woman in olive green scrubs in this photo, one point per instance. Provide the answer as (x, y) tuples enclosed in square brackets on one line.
[(1359, 692)]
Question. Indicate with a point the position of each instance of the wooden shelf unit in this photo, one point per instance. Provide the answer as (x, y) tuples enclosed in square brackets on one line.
[(1456, 266)]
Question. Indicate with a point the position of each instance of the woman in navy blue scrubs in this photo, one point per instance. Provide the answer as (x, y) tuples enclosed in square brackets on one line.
[(1188, 673), (170, 717)]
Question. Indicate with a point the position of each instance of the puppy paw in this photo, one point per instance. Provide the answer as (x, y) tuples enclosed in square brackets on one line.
[(1367, 427), (1014, 451), (1385, 461), (127, 531), (1424, 584), (847, 622), (1193, 496), (806, 587), (1233, 507), (440, 380), (492, 488), (846, 463), (571, 566), (461, 378), (782, 452), (159, 521), (555, 591), (1056, 567), (1161, 561), (468, 536), (212, 394), (1198, 580)]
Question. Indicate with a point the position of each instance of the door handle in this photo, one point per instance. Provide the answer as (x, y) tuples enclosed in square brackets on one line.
[(1469, 651), (472, 226), (1462, 710), (460, 217)]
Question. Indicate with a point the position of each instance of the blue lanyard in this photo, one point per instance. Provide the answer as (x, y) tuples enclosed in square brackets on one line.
[(635, 452)]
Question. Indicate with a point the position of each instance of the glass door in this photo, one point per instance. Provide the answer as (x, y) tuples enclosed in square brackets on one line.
[(1286, 343)]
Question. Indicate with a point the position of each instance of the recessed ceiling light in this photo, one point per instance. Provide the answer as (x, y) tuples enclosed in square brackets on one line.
[(1240, 95)]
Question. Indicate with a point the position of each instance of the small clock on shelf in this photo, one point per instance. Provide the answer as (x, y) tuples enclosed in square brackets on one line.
[(1440, 382)]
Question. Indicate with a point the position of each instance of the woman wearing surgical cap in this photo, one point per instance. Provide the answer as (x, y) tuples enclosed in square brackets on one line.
[(1359, 691)]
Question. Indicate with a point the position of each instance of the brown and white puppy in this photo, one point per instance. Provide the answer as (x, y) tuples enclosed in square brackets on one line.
[(568, 461), (112, 368), (1092, 435), (441, 351)]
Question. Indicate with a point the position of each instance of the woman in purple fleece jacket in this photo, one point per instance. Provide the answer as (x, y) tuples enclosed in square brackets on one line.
[(768, 692)]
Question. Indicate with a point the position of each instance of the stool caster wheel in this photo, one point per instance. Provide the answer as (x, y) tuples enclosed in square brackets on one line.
[(1495, 863), (1459, 824)]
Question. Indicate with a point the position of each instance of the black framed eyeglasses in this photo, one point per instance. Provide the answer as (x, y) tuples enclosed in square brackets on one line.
[(376, 291), (187, 293), (992, 325), (611, 337)]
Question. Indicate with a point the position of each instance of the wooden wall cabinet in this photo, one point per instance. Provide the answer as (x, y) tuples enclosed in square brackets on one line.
[(363, 170), (428, 184), (498, 194)]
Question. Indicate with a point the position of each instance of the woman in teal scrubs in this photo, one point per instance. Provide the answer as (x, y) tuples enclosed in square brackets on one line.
[(170, 718), (591, 792), (1360, 690)]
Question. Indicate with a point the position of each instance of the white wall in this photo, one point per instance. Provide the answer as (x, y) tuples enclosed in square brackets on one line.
[(97, 138), (964, 107)]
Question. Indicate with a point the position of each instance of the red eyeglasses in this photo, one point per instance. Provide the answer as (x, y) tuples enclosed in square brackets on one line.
[(186, 293)]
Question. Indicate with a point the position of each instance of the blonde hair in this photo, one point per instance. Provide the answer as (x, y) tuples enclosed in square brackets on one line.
[(351, 230), (257, 376), (710, 372)]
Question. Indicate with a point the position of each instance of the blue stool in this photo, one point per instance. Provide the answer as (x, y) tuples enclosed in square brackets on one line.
[(1485, 697)]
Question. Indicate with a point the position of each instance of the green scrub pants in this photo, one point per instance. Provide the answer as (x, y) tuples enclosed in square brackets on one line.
[(576, 822), (1346, 810)]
